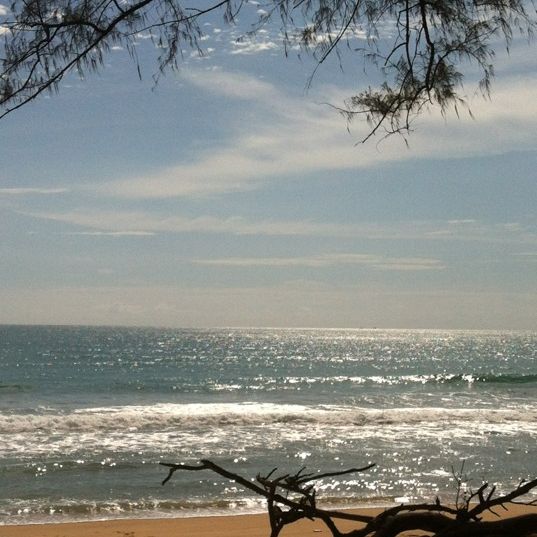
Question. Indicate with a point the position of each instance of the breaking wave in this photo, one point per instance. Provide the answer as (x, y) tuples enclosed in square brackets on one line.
[(40, 511), (79, 510), (169, 416), (290, 383)]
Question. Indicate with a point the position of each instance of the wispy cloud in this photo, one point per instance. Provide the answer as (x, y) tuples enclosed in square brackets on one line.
[(140, 222), (290, 137), (110, 233), (254, 46), (526, 257), (329, 260), (461, 222), (287, 137), (19, 191), (232, 85)]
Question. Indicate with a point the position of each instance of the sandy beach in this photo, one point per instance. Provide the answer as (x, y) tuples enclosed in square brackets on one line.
[(217, 526)]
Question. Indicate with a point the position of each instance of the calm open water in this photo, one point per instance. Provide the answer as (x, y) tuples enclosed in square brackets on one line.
[(87, 413)]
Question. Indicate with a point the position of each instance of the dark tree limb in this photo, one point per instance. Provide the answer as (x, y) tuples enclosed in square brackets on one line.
[(292, 497), (418, 46)]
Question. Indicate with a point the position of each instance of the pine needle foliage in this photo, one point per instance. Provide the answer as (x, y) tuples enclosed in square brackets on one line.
[(419, 47)]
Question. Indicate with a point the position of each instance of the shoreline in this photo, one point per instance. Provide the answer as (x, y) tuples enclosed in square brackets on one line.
[(56, 520), (59, 518), (233, 525)]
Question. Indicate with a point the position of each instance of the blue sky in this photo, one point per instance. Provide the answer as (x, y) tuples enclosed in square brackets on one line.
[(228, 195)]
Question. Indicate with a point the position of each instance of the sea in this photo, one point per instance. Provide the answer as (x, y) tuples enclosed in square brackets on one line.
[(87, 414)]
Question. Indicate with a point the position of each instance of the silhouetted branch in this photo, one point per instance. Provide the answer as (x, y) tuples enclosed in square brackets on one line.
[(292, 497), (417, 46)]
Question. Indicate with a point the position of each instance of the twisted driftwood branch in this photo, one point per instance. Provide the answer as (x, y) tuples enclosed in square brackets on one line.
[(292, 497)]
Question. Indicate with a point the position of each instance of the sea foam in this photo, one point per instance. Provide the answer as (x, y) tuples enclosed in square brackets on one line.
[(166, 416)]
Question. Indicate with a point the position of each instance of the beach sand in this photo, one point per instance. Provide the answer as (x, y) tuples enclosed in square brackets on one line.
[(216, 526)]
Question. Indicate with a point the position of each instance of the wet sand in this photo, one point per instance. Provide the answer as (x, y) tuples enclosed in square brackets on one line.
[(216, 526)]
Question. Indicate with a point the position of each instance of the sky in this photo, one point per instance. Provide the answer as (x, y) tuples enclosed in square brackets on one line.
[(232, 194)]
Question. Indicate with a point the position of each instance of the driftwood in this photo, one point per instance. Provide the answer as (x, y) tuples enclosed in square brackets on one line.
[(291, 497)]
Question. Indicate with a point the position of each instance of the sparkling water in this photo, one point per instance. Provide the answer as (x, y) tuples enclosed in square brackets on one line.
[(86, 415)]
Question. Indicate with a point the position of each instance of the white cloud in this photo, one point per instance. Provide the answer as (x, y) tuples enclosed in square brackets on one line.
[(140, 223), (461, 222), (526, 257), (4, 10), (328, 260), (235, 86), (253, 46), (16, 191), (111, 233), (299, 138), (292, 137)]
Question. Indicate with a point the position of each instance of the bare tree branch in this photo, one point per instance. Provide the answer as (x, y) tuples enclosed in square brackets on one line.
[(292, 497)]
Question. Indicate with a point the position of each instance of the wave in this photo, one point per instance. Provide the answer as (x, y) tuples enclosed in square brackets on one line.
[(462, 378), (507, 379), (44, 511), (470, 378), (291, 383), (77, 509), (275, 384), (12, 388), (126, 419)]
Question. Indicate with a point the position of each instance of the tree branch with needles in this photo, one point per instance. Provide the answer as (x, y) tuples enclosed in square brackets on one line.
[(418, 47)]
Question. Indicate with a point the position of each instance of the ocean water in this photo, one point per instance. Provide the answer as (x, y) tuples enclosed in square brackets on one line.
[(86, 415)]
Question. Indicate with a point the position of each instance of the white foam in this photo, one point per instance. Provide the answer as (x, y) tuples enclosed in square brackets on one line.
[(191, 416)]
